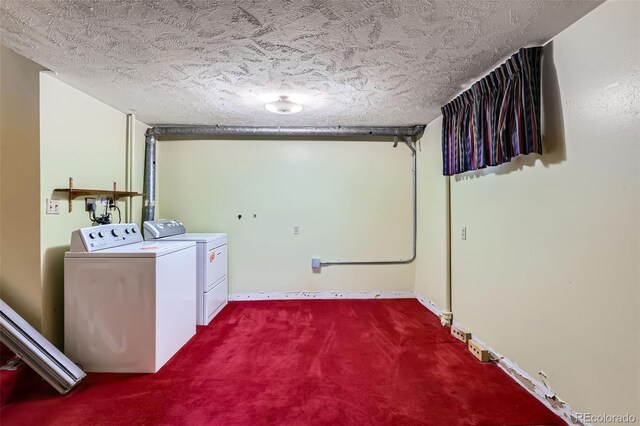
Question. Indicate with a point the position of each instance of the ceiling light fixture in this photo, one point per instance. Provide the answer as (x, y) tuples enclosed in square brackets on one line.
[(283, 106)]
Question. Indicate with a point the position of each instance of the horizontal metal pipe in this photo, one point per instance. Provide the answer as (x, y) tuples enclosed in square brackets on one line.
[(415, 224), (336, 131), (152, 134)]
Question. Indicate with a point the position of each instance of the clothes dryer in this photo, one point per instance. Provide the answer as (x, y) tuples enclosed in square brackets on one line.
[(212, 292)]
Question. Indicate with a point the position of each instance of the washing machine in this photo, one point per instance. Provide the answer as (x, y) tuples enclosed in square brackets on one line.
[(212, 292), (129, 304)]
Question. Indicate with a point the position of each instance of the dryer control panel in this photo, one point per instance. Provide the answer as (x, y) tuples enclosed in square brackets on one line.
[(102, 237), (154, 229)]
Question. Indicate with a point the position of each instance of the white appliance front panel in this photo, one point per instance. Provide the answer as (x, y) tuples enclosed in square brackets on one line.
[(109, 315), (175, 302), (128, 314), (216, 264), (208, 273), (215, 299)]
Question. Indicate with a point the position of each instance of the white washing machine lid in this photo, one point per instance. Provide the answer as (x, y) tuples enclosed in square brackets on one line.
[(153, 248), (203, 237)]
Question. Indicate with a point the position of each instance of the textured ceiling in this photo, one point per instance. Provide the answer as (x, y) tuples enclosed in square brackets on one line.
[(350, 62)]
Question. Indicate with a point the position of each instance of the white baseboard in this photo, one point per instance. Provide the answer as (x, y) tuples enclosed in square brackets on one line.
[(429, 305), (536, 388), (299, 295)]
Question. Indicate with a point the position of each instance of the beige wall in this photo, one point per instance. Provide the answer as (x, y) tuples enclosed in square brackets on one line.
[(549, 274), (352, 201), (431, 263), (82, 138), (50, 132), (20, 185)]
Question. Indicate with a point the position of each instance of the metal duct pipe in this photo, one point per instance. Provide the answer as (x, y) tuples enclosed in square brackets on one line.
[(408, 142), (337, 131), (149, 184)]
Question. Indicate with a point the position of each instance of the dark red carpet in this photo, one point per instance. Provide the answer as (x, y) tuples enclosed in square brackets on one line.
[(355, 362)]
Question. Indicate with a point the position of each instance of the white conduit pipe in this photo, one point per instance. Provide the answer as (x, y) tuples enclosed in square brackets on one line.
[(446, 318), (409, 143), (128, 167)]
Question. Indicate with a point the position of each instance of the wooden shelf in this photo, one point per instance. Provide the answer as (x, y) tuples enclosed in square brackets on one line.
[(74, 193)]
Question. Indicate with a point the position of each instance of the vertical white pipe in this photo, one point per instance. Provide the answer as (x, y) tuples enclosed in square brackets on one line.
[(128, 167), (447, 315)]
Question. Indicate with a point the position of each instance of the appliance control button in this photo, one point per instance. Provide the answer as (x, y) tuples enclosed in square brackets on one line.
[(114, 233), (126, 231), (92, 235), (133, 230), (100, 234)]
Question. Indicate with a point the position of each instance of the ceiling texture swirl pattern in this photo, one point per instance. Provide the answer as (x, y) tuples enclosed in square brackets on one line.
[(349, 62)]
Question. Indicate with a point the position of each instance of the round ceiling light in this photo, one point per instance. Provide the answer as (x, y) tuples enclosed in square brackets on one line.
[(283, 106)]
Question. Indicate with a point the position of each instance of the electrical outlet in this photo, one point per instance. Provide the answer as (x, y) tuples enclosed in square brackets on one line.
[(479, 351), (464, 233), (460, 334), (89, 204), (296, 229), (53, 206)]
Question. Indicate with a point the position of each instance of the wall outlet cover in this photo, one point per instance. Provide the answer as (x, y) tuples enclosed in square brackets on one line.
[(53, 206)]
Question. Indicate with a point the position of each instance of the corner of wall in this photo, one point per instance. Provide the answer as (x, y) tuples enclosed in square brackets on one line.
[(431, 261), (20, 279)]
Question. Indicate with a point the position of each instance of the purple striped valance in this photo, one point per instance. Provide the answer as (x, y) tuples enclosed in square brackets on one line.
[(497, 119)]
